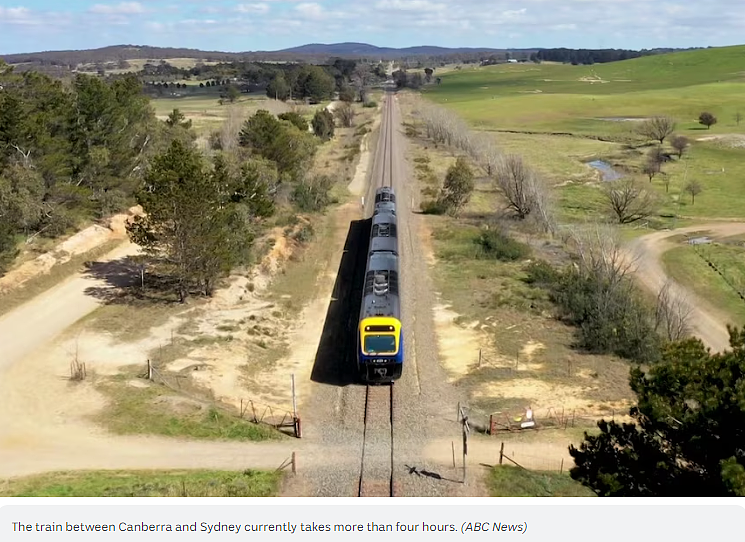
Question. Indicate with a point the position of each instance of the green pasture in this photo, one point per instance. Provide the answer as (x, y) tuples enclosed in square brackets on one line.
[(582, 99), (688, 268), (509, 481), (607, 101)]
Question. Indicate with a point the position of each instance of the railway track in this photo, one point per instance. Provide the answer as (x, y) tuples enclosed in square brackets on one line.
[(377, 463), (377, 466)]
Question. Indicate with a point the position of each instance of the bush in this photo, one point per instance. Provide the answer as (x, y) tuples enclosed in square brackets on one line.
[(370, 104), (541, 273), (494, 244), (323, 124), (296, 119), (432, 207), (313, 193)]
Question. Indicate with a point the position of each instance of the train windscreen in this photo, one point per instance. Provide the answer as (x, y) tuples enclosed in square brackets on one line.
[(380, 344)]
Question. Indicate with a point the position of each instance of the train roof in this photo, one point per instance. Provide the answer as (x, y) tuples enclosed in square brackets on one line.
[(381, 290), (385, 207)]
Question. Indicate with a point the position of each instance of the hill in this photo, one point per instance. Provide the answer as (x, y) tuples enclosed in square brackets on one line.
[(365, 49)]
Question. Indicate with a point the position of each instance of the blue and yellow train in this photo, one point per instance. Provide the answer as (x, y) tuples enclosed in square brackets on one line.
[(380, 343)]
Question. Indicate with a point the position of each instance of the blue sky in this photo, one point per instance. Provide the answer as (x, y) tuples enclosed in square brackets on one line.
[(38, 25)]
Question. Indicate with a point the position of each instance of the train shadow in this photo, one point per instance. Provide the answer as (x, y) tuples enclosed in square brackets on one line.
[(336, 357)]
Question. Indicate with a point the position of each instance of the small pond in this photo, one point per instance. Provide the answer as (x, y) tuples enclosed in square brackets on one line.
[(606, 170)]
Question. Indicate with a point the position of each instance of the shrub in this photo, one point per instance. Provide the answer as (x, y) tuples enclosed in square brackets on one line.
[(370, 104), (494, 244), (541, 273)]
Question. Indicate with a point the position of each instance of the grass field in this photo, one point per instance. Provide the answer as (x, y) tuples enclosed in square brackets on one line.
[(689, 269), (589, 102), (509, 481), (156, 410), (191, 483)]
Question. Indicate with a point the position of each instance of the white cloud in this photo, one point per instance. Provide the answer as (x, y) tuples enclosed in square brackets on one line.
[(310, 10), (259, 9), (123, 8)]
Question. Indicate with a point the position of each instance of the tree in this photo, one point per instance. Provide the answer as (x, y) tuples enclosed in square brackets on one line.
[(189, 224), (345, 114), (707, 119), (177, 118), (738, 118), (651, 168), (315, 83), (628, 201), (278, 88), (687, 431), (233, 93), (296, 119), (259, 131), (361, 79), (457, 188), (693, 188), (292, 150), (657, 128), (680, 143), (347, 94), (428, 74), (518, 184), (672, 313), (323, 124)]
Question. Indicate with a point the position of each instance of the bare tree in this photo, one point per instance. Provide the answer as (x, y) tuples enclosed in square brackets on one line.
[(666, 182), (599, 252), (680, 144), (629, 201), (672, 313), (693, 188), (445, 127), (361, 78), (657, 128), (651, 168), (527, 193), (738, 118), (485, 152), (231, 127), (345, 113)]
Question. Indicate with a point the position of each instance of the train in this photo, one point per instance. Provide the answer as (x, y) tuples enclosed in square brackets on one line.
[(380, 339)]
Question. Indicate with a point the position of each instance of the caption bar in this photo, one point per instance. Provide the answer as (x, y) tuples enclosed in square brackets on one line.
[(411, 521)]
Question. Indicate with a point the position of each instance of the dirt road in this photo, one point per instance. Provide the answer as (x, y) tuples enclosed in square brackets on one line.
[(43, 318), (708, 322)]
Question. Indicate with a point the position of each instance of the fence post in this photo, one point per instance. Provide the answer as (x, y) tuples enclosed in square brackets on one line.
[(457, 414), (294, 402), (298, 428), (561, 468), (452, 445), (479, 358), (294, 464), (491, 424), (149, 369), (501, 453)]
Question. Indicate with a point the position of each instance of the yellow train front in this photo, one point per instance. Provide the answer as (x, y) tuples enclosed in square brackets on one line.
[(380, 346)]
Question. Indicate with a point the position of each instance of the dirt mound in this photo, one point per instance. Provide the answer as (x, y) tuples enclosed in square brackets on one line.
[(80, 243)]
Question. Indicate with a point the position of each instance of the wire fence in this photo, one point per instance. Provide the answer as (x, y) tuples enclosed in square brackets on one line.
[(511, 455), (280, 418)]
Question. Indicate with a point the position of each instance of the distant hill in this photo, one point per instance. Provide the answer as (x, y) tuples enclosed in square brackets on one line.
[(115, 53), (313, 52), (365, 49)]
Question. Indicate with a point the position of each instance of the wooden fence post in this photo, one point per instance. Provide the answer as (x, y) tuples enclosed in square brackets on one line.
[(501, 453), (149, 370), (561, 468), (479, 358), (452, 445), (294, 464)]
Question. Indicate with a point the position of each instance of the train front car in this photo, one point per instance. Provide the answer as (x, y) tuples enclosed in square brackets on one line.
[(380, 340), (380, 337)]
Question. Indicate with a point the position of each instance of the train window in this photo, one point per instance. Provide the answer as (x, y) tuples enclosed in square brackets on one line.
[(380, 344)]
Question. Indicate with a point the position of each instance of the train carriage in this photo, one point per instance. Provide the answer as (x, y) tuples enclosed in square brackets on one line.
[(380, 336)]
